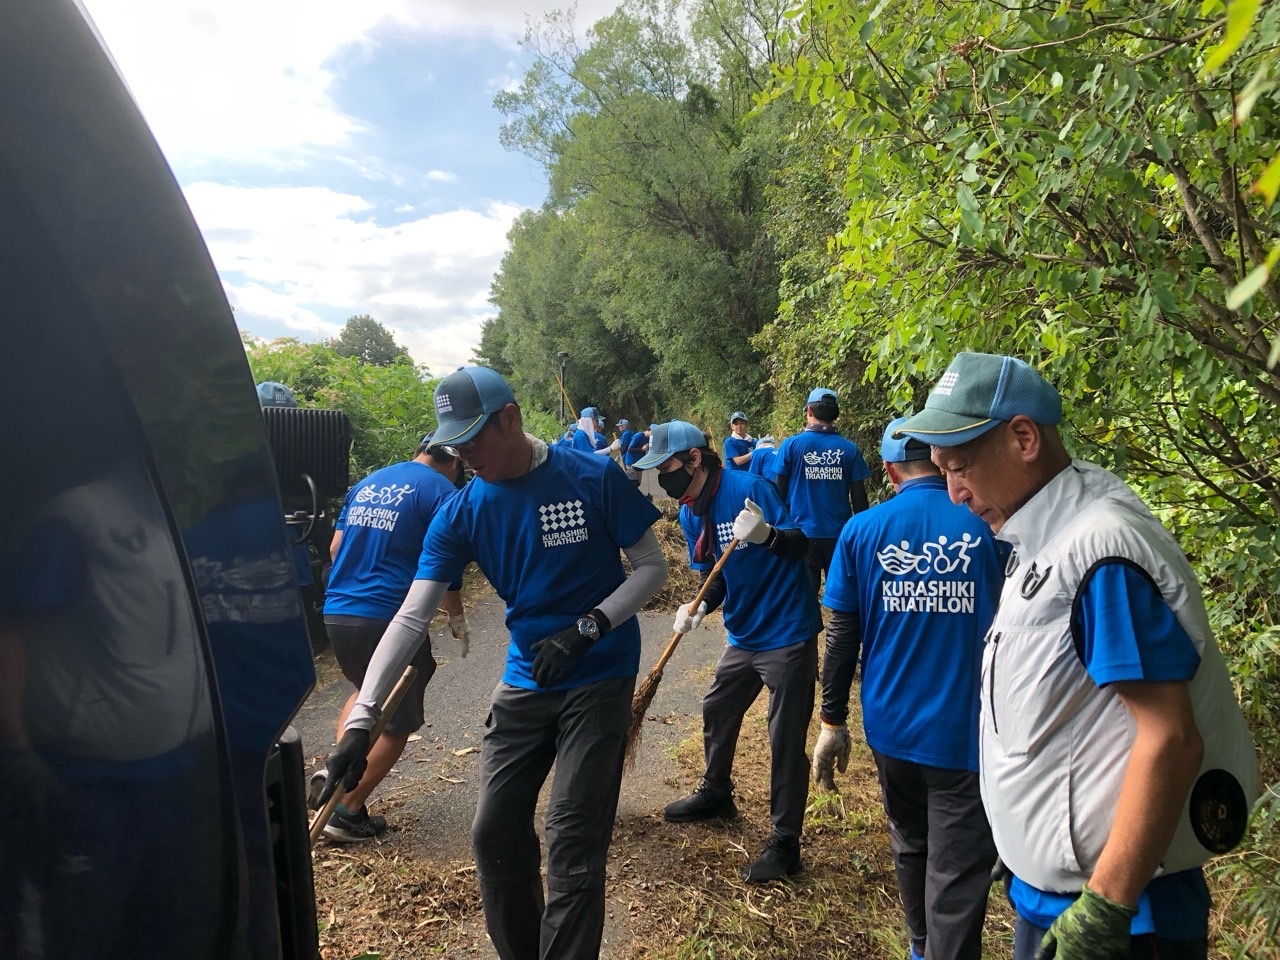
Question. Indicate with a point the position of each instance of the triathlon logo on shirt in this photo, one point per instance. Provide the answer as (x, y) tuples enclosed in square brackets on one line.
[(941, 556), (377, 515), (563, 523), (724, 534), (391, 496), (824, 465)]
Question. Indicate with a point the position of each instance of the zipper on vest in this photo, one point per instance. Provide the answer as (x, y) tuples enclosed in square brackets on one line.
[(991, 693)]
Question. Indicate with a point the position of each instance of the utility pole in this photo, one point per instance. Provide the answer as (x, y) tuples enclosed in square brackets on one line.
[(562, 356)]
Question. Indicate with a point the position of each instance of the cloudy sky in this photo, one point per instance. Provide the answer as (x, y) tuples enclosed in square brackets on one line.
[(341, 156)]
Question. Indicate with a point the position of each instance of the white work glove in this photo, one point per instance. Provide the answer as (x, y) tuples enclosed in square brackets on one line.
[(461, 632), (687, 620), (750, 526), (615, 446), (830, 753)]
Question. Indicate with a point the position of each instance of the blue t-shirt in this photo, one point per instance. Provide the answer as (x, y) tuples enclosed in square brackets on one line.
[(383, 522), (636, 449), (601, 441), (581, 441), (816, 471), (1130, 633), (769, 602), (550, 543), (762, 462), (736, 447), (624, 440), (923, 576)]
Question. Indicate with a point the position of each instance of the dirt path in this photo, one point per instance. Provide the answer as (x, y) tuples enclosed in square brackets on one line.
[(429, 798)]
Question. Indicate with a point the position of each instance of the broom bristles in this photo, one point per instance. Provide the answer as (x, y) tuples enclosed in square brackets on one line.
[(640, 704)]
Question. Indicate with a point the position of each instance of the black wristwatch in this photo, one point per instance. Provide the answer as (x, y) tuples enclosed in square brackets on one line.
[(593, 625)]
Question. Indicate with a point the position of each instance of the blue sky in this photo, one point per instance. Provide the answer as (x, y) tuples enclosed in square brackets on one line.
[(340, 157)]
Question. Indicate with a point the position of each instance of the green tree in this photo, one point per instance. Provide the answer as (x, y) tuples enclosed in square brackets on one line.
[(369, 342), (1061, 181), (390, 407), (657, 170)]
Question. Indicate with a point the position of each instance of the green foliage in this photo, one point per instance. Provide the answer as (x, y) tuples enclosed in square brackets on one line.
[(650, 263), (390, 407), (368, 341), (1063, 182)]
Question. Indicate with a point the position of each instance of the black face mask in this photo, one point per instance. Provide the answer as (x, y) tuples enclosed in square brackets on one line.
[(676, 482)]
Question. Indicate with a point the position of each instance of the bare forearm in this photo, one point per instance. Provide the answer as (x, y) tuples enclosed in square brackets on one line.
[(1162, 768)]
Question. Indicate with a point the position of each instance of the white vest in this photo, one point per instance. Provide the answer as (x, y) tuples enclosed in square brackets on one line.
[(1054, 745)]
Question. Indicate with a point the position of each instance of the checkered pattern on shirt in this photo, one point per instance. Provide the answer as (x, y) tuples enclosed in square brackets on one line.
[(562, 516)]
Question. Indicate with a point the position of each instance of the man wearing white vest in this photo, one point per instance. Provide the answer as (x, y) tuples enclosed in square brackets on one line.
[(1114, 759)]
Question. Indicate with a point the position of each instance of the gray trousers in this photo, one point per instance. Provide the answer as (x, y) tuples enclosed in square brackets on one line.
[(583, 731), (942, 853), (790, 673)]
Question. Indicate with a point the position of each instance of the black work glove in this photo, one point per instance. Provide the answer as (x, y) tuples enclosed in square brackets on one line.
[(347, 763), (555, 653), (32, 839)]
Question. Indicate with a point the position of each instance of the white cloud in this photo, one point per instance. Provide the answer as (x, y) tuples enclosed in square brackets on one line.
[(251, 79), (307, 253), (441, 176)]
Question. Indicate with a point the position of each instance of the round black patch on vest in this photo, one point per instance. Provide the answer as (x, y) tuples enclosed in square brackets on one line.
[(1219, 811)]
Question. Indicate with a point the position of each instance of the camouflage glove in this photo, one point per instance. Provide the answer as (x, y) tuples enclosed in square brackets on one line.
[(1092, 928)]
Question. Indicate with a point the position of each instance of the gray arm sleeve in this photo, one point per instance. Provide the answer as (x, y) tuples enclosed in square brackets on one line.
[(399, 644), (648, 574)]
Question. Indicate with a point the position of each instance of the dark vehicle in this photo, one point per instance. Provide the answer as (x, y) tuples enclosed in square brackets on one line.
[(152, 643)]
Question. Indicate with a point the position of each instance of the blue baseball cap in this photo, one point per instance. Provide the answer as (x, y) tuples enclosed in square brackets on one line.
[(978, 392), (465, 399), (624, 422), (736, 415), (669, 439), (273, 394), (896, 448), (822, 395)]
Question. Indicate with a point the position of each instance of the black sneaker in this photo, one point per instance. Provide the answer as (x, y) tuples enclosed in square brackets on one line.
[(781, 858), (705, 803), (356, 828)]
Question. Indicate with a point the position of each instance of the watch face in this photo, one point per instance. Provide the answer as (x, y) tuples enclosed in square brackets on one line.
[(588, 627)]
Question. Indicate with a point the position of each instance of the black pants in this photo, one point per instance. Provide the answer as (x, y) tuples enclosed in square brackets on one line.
[(583, 732), (789, 673), (354, 639), (818, 559), (942, 854)]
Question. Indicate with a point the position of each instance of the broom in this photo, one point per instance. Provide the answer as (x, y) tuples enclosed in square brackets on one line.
[(643, 698), (316, 828)]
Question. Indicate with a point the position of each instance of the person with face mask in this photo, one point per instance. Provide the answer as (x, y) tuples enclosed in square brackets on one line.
[(772, 620)]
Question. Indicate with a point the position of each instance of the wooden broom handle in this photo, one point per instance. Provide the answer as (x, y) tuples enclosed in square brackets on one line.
[(393, 701), (702, 592)]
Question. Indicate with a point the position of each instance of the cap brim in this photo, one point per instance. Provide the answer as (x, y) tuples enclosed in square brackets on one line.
[(458, 431), (651, 460), (941, 429)]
